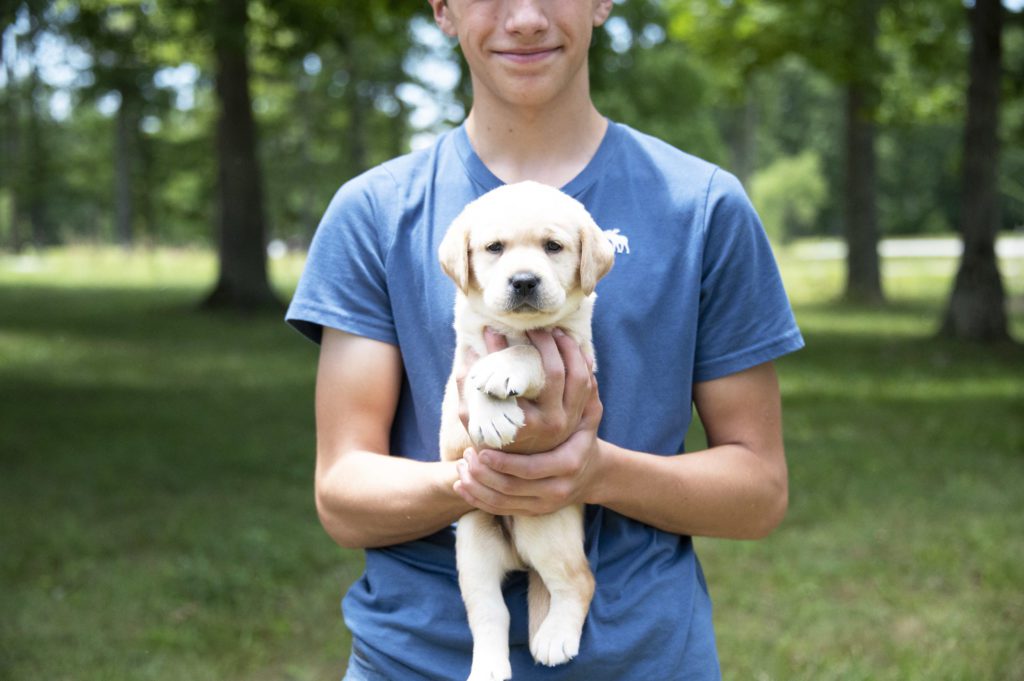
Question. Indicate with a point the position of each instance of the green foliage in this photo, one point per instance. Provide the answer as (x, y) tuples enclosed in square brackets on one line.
[(789, 58), (741, 83), (672, 104), (319, 126), (643, 77), (919, 179), (797, 110), (789, 195)]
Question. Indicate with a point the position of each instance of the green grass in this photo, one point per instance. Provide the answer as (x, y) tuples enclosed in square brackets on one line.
[(158, 524), (156, 488), (902, 556)]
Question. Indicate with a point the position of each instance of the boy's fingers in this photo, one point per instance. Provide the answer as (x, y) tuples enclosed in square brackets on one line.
[(577, 366), (551, 358), (523, 466), (476, 492)]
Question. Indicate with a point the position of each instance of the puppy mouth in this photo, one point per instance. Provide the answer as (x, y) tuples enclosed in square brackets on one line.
[(524, 308), (530, 304)]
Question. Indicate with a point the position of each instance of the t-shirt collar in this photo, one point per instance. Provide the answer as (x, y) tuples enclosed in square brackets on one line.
[(482, 176)]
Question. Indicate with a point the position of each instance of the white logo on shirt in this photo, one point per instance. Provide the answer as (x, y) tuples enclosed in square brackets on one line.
[(619, 241)]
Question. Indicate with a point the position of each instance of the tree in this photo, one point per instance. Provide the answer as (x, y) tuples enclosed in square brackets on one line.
[(242, 281), (976, 309), (122, 40), (675, 102), (858, 69), (28, 163), (747, 36), (10, 148)]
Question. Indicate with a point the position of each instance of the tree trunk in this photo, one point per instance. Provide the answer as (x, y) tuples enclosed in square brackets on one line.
[(125, 134), (36, 168), (976, 309), (145, 195), (863, 276), (862, 64), (243, 282), (12, 155)]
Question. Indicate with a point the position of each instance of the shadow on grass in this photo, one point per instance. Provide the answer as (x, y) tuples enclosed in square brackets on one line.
[(157, 491)]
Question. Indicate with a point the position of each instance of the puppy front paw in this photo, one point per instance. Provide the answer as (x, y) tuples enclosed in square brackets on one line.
[(495, 376), (492, 422)]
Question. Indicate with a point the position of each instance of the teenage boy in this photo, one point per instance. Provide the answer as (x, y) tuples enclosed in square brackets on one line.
[(692, 314)]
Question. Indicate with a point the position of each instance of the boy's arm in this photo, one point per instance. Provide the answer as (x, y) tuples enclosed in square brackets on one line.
[(366, 498), (737, 488)]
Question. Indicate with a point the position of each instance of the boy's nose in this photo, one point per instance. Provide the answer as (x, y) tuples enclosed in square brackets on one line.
[(525, 17)]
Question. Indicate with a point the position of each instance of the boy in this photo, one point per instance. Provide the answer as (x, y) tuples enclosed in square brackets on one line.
[(693, 313)]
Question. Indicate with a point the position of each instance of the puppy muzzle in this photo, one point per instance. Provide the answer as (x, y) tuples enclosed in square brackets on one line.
[(524, 289)]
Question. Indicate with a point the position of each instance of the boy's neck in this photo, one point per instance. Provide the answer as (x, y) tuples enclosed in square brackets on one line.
[(517, 144)]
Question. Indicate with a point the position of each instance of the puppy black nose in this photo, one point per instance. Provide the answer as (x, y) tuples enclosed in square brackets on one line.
[(524, 283)]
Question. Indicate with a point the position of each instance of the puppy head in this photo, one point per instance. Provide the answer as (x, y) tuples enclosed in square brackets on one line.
[(526, 252)]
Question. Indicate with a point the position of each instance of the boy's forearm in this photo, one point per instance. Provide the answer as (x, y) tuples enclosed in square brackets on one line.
[(737, 488), (727, 491), (368, 500)]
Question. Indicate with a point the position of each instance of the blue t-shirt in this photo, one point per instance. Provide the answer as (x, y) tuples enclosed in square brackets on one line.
[(694, 295)]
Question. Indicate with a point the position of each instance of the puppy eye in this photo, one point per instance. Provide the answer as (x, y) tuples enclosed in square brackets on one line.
[(495, 247), (553, 247)]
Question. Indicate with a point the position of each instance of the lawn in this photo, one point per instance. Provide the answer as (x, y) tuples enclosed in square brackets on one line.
[(158, 524)]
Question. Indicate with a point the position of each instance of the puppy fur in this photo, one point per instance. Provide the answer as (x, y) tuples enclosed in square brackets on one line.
[(524, 256)]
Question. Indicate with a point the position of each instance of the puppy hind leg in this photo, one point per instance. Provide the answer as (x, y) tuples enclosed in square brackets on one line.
[(484, 557), (538, 600), (553, 546)]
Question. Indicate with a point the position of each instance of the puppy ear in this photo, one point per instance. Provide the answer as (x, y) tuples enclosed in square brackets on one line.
[(596, 256), (454, 252)]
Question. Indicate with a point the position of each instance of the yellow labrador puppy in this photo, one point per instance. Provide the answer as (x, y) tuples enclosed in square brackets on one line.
[(524, 256)]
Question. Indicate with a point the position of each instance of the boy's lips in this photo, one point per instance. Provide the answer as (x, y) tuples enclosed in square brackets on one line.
[(527, 56)]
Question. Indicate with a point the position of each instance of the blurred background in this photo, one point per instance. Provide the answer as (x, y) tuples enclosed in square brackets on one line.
[(165, 164)]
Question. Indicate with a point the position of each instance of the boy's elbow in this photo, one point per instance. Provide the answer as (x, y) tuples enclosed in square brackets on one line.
[(774, 508), (341, 532), (775, 513)]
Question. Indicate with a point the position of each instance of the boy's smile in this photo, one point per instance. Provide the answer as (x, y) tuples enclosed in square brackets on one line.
[(528, 55), (524, 53)]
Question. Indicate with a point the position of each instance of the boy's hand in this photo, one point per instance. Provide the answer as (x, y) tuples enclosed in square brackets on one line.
[(568, 387), (551, 463)]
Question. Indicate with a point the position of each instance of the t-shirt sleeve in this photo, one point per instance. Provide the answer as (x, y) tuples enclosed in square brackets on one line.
[(344, 282), (745, 317)]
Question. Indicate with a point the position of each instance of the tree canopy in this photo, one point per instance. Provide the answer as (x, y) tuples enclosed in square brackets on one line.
[(109, 109)]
